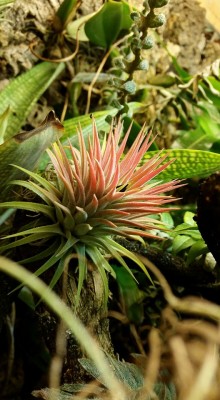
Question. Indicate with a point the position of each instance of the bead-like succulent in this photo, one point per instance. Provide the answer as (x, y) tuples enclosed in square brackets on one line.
[(132, 56), (155, 20), (147, 42), (90, 198), (143, 65)]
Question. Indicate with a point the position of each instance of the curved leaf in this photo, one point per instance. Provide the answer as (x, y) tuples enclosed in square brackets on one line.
[(25, 149), (23, 92), (104, 28), (188, 163)]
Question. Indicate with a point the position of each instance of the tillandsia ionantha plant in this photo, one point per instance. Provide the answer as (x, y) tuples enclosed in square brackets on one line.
[(90, 199)]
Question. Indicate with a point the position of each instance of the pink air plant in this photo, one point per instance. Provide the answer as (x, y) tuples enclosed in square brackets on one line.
[(97, 195), (109, 191)]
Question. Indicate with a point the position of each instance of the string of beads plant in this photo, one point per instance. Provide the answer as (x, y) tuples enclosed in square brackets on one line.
[(131, 58)]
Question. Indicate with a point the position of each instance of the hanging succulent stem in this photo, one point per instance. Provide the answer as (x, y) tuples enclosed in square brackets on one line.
[(131, 59)]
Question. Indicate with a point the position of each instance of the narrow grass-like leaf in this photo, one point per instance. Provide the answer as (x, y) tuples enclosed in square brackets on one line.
[(58, 271), (43, 254), (197, 249), (49, 263), (107, 244), (26, 240), (129, 254), (45, 195), (87, 342), (82, 267), (6, 215), (102, 265), (181, 242), (68, 244), (38, 178), (29, 206), (52, 229)]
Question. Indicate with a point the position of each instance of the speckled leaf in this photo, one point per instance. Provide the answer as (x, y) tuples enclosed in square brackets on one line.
[(188, 163)]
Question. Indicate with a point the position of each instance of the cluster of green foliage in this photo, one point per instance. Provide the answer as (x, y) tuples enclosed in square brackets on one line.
[(122, 34)]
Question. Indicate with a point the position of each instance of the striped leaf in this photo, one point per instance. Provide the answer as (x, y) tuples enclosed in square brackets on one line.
[(22, 93)]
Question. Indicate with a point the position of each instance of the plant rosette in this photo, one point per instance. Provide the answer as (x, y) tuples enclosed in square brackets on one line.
[(94, 195)]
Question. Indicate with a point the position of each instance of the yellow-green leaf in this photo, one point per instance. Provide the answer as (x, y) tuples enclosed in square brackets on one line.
[(188, 163)]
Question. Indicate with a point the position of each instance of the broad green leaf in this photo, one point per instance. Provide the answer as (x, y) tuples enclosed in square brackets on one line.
[(162, 80), (66, 11), (210, 109), (181, 242), (3, 124), (197, 249), (104, 27), (167, 219), (196, 139), (25, 149), (185, 229), (131, 295), (85, 122), (215, 98), (188, 163), (23, 92), (209, 126), (76, 28), (189, 218), (215, 147), (214, 82)]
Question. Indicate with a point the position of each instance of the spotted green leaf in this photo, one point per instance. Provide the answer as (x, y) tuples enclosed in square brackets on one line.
[(188, 163)]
